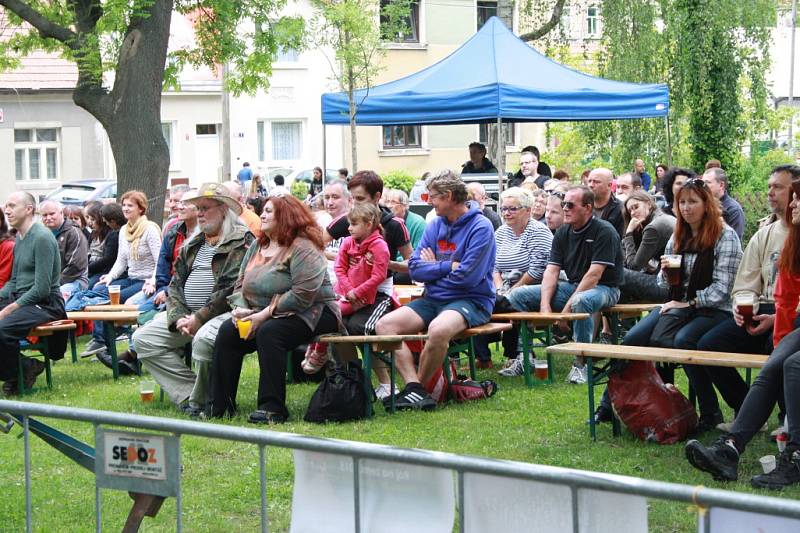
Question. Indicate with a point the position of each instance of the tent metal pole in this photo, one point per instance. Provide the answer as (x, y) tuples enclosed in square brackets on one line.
[(324, 155), (669, 142), (501, 160)]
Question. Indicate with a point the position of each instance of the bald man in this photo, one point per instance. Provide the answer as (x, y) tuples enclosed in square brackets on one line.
[(31, 297), (606, 205)]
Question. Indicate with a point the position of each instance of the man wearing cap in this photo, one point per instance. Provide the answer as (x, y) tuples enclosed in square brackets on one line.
[(205, 271)]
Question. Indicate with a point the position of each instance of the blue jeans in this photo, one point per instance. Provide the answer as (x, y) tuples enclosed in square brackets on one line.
[(528, 298), (145, 302), (128, 288)]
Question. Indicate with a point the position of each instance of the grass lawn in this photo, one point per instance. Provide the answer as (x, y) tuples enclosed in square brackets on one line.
[(544, 425)]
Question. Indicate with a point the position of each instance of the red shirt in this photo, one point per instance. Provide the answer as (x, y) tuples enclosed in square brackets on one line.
[(787, 296), (6, 261)]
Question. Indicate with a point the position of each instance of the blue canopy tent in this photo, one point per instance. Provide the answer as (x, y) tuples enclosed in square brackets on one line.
[(496, 77)]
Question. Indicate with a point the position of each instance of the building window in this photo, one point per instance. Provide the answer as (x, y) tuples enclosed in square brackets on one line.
[(36, 154), (205, 129), (402, 137), (287, 141), (486, 10), (287, 55), (168, 131), (592, 19), (508, 133), (403, 29)]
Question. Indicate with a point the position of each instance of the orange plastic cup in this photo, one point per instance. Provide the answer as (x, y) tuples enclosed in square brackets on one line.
[(244, 326)]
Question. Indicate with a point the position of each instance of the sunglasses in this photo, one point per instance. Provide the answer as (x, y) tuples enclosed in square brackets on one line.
[(557, 194), (569, 205), (695, 182)]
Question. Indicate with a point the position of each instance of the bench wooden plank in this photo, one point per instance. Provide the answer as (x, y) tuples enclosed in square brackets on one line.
[(119, 317), (109, 307), (625, 309), (484, 329), (373, 339), (659, 355), (45, 330), (539, 319)]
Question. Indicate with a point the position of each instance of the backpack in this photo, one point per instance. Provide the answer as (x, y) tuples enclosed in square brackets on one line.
[(340, 396), (649, 408)]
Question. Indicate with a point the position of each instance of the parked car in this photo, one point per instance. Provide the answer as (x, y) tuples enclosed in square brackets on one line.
[(84, 191)]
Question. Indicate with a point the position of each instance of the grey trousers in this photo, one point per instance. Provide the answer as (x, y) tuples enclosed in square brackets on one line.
[(161, 352)]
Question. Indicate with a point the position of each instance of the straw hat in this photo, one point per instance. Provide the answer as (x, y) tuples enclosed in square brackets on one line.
[(215, 191)]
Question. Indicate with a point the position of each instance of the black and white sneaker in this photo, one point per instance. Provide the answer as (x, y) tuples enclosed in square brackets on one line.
[(786, 473), (721, 459), (94, 347), (414, 396)]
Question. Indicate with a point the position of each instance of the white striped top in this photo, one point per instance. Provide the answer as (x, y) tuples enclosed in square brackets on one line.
[(200, 282), (527, 253)]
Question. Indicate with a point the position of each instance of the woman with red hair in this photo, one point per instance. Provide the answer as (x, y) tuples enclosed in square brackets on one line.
[(780, 376), (701, 298), (282, 299)]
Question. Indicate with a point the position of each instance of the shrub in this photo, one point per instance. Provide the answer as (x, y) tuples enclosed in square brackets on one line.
[(299, 190), (399, 179)]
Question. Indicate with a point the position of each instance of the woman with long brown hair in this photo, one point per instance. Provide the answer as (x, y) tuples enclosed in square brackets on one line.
[(779, 376), (710, 253), (282, 299)]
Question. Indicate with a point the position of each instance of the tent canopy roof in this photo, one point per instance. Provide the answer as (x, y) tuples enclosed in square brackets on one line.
[(496, 75)]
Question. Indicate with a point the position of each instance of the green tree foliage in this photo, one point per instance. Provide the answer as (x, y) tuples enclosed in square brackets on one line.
[(129, 39)]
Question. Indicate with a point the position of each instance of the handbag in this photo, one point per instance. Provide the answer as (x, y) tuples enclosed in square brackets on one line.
[(668, 325), (340, 396)]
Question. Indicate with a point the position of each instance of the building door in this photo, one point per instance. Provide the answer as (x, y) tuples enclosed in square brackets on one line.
[(208, 160)]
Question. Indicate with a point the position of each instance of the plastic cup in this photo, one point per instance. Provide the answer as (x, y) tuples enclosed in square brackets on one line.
[(113, 294), (767, 463), (244, 326), (147, 389), (540, 369)]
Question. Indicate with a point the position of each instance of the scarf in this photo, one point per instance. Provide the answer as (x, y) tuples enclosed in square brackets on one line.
[(133, 234), (701, 276)]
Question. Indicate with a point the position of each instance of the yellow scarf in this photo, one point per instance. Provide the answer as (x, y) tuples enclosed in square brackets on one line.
[(133, 234)]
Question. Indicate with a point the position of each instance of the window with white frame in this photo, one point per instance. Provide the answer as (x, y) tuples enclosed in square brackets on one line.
[(404, 30), (592, 21), (508, 133), (402, 137), (168, 131), (281, 139), (287, 55), (37, 154)]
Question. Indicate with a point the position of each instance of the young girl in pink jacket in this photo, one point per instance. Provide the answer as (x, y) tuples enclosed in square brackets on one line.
[(361, 266)]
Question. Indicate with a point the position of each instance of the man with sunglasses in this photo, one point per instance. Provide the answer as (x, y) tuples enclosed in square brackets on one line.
[(589, 251)]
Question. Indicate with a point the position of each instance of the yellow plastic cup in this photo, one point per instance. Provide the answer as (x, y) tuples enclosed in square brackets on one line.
[(244, 326)]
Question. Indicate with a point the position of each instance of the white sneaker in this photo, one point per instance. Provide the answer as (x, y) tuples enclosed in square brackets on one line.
[(383, 391), (516, 368), (93, 348), (577, 375)]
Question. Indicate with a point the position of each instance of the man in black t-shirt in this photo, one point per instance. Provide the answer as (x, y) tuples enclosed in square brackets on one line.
[(606, 205), (588, 250)]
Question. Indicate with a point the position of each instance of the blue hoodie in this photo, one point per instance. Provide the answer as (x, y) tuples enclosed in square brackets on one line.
[(468, 241)]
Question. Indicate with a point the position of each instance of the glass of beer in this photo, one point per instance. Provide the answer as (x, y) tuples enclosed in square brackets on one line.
[(746, 306), (147, 389), (673, 269), (540, 369), (113, 294)]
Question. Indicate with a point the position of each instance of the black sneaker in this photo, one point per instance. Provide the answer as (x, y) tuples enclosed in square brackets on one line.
[(709, 422), (787, 472), (721, 459), (414, 396), (603, 414)]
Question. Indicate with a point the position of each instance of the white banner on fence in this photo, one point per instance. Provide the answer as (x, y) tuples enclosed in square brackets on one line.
[(393, 496), (494, 503), (723, 520)]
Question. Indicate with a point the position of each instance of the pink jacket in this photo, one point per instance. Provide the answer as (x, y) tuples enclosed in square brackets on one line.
[(362, 266)]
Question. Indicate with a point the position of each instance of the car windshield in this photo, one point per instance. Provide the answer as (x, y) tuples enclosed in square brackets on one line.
[(71, 193)]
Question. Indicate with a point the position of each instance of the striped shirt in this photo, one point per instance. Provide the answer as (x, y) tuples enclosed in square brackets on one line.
[(527, 253), (200, 282)]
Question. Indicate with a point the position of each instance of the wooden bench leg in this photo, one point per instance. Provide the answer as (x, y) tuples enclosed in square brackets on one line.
[(526, 331), (548, 339), (73, 346), (111, 343), (748, 375), (48, 371), (289, 367), (616, 327), (471, 357), (590, 386), (368, 392)]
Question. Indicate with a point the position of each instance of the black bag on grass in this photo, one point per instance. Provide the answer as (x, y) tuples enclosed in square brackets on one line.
[(340, 396)]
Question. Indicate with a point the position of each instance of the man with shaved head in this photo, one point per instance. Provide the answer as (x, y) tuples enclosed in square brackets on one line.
[(606, 206), (31, 297), (72, 248)]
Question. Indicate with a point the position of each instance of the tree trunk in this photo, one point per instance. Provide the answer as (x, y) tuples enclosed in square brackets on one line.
[(131, 112), (351, 99)]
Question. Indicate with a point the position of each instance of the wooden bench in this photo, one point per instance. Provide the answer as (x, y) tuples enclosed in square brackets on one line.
[(371, 345), (529, 321), (43, 332), (111, 319), (619, 312), (110, 307), (645, 353)]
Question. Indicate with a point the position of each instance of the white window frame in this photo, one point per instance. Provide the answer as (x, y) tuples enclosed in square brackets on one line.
[(593, 21), (172, 144), (265, 141), (421, 150), (420, 43), (42, 147)]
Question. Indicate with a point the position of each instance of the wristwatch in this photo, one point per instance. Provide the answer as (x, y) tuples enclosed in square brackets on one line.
[(693, 302)]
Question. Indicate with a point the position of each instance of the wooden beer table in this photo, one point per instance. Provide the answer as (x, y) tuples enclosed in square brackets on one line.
[(111, 320)]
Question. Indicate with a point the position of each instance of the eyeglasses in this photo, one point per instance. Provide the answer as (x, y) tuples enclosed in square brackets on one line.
[(557, 194), (506, 209), (695, 182), (569, 205)]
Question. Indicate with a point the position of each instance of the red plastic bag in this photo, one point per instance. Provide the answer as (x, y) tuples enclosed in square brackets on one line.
[(467, 390), (649, 408)]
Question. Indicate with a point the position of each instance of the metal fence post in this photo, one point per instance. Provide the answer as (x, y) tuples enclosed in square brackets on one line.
[(356, 494), (263, 464), (179, 497), (27, 438)]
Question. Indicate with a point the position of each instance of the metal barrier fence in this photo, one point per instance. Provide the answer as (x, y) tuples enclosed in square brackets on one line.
[(574, 479)]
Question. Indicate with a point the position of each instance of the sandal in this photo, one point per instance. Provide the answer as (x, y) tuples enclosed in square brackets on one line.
[(266, 417)]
